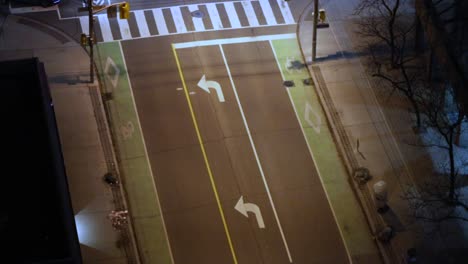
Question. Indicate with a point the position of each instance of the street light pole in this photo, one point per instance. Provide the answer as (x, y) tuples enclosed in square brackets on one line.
[(91, 41), (314, 33)]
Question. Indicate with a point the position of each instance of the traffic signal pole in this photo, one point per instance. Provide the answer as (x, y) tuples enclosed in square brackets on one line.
[(91, 41), (314, 33)]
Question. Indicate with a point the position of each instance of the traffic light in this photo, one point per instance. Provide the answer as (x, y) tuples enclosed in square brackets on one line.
[(83, 39), (322, 15), (124, 10)]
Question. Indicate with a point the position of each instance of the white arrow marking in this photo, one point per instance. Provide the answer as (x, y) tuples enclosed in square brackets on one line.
[(205, 85), (243, 208)]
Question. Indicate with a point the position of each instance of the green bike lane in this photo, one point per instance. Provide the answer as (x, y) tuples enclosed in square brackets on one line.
[(136, 174), (352, 223)]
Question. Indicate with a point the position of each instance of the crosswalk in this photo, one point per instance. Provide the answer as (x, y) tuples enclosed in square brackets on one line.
[(181, 19)]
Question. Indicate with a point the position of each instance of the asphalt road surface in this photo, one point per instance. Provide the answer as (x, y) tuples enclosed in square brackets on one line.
[(271, 168)]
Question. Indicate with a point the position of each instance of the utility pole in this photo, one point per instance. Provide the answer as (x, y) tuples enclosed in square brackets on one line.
[(91, 41), (314, 33)]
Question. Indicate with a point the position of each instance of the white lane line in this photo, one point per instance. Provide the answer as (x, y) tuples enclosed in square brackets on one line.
[(286, 12), (84, 22), (212, 42), (178, 20), (256, 155), (311, 154), (267, 12), (105, 28), (232, 15), (147, 156), (124, 29), (214, 16), (141, 23), (197, 21), (160, 22), (250, 13)]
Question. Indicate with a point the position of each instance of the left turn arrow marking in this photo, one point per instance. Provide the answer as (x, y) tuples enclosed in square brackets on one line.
[(206, 85), (243, 208)]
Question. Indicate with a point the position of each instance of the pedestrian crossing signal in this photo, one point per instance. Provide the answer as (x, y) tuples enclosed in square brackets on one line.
[(83, 39), (124, 10)]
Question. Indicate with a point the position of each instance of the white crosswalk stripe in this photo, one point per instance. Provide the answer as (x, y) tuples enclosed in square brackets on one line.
[(197, 21), (174, 17), (141, 22), (105, 28), (124, 29), (232, 15), (214, 16), (250, 13), (178, 19), (84, 22), (286, 12), (160, 22), (268, 12)]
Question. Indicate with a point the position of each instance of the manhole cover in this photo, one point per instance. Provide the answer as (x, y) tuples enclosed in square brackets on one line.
[(288, 83), (198, 14)]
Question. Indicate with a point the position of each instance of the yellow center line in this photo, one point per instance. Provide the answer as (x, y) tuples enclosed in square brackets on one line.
[(205, 157)]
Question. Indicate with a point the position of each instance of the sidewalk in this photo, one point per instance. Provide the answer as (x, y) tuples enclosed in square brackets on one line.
[(67, 68), (371, 129)]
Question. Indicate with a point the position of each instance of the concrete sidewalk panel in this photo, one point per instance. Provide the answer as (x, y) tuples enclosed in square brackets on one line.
[(348, 103)]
